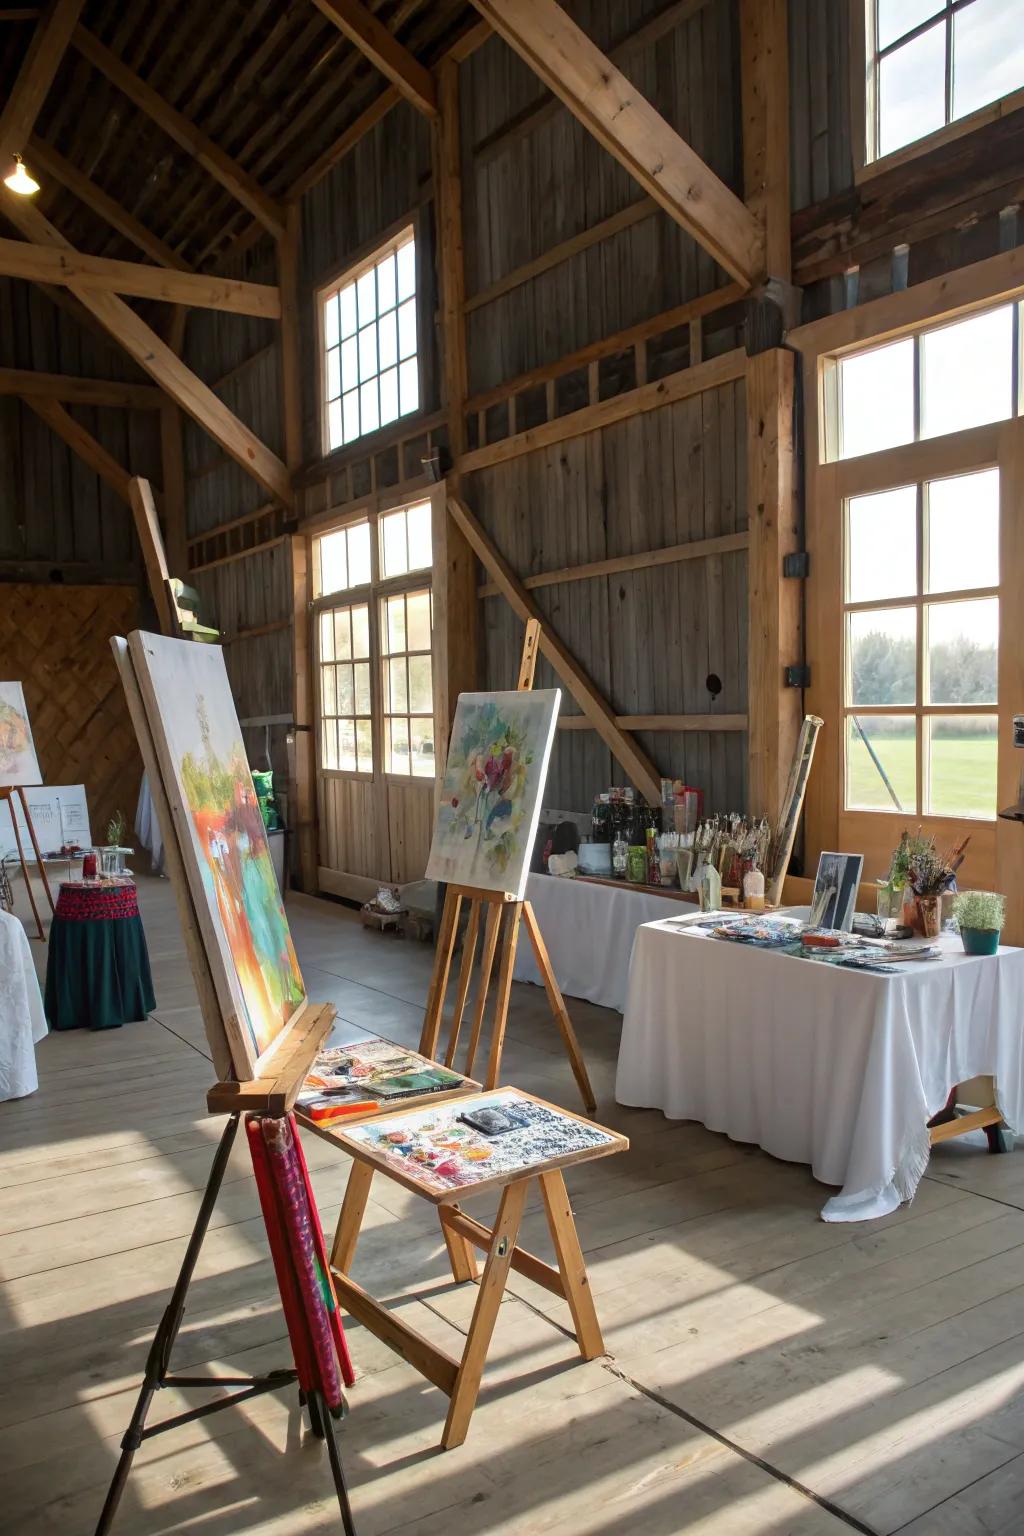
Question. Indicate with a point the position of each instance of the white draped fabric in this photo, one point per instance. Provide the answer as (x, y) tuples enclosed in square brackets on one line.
[(147, 827), (588, 930), (22, 1021), (815, 1064)]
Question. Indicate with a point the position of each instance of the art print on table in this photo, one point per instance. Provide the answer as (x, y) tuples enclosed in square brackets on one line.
[(835, 890), (18, 761), (493, 784), (220, 831), (437, 1149)]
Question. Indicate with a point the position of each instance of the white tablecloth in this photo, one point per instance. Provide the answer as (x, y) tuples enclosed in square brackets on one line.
[(22, 1021), (588, 930), (818, 1065), (147, 827)]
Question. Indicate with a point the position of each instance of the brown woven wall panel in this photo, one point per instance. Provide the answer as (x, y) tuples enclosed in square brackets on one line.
[(56, 641)]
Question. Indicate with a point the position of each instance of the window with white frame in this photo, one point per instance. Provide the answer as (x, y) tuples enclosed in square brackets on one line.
[(373, 621), (931, 63), (370, 357)]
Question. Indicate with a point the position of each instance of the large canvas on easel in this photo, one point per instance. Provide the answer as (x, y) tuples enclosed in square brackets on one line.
[(494, 780), (222, 841), (18, 761)]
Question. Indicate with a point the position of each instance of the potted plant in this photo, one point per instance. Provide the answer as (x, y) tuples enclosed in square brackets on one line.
[(980, 915)]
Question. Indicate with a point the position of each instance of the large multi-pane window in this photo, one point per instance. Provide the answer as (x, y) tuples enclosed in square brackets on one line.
[(373, 633), (921, 574), (931, 63), (369, 345)]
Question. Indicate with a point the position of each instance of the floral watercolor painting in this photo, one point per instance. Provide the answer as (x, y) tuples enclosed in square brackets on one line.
[(18, 762), (493, 784), (213, 784)]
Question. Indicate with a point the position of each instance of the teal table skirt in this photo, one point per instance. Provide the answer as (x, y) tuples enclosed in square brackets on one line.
[(97, 969)]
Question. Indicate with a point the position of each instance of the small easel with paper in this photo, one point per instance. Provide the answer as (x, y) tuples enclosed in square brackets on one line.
[(262, 1030), (19, 766), (483, 837)]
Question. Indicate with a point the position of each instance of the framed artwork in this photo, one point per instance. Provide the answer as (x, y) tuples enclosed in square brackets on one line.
[(493, 784), (219, 830), (835, 890), (18, 761)]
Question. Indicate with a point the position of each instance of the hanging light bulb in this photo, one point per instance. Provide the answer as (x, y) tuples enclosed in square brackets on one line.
[(19, 179)]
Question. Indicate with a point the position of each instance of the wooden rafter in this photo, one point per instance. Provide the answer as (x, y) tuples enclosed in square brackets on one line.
[(626, 124), (184, 133), (71, 269), (383, 50), (63, 386), (159, 361), (48, 46), (54, 166)]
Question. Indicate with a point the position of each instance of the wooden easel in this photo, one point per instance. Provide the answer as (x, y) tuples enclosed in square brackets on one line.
[(500, 915), (9, 793)]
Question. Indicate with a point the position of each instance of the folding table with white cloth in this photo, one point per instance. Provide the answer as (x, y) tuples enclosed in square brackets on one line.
[(22, 1021), (816, 1064)]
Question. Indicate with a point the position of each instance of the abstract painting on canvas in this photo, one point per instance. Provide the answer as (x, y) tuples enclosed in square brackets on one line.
[(18, 762), (221, 835), (493, 784)]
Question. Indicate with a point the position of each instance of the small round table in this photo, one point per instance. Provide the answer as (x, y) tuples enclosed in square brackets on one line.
[(97, 969)]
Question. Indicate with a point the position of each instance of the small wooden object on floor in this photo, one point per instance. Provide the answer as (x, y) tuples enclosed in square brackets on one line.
[(460, 1379), (498, 915), (8, 792)]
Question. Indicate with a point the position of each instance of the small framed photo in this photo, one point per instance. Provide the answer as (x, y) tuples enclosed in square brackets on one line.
[(835, 890)]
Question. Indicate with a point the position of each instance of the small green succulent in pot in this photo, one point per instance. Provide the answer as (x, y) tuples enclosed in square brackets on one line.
[(980, 916)]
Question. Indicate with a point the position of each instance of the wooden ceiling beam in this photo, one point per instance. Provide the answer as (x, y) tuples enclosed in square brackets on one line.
[(159, 361), (49, 44), (185, 134), (384, 51), (626, 125), (67, 387), (73, 269)]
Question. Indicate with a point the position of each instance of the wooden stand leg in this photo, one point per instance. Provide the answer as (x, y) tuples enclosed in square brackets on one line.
[(484, 981), (461, 1253), (572, 1265), (558, 1008), (514, 912), (35, 844), (492, 1286), (346, 1235), (465, 977), (439, 979), (24, 869)]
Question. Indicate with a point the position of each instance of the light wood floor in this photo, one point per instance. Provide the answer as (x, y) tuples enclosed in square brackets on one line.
[(768, 1375)]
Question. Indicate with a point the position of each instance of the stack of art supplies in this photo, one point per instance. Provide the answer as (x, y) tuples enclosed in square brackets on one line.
[(366, 1077)]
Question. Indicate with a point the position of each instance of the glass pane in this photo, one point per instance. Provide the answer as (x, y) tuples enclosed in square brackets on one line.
[(350, 363), (419, 523), (418, 621), (963, 652), (333, 373), (333, 566), (347, 309), (406, 262), (389, 396), (346, 697), (398, 685), (876, 391), (359, 557), (423, 765), (966, 373), (342, 634), (328, 692), (961, 776), (361, 631), (386, 283), (399, 732), (881, 763), (362, 682), (883, 656), (421, 687), (387, 339), (394, 639), (350, 411), (882, 545), (347, 745), (331, 331), (407, 329), (364, 746), (327, 637), (392, 545), (912, 90), (988, 53), (366, 297), (330, 744), (368, 410), (335, 430), (963, 532), (898, 17), (408, 387), (367, 351)]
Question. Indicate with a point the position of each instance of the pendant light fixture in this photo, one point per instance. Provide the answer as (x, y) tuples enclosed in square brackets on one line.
[(19, 179)]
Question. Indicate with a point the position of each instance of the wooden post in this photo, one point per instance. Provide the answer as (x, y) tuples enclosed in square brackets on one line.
[(764, 72), (302, 809), (774, 711)]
